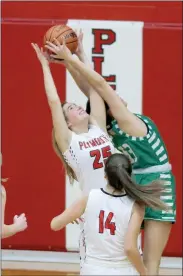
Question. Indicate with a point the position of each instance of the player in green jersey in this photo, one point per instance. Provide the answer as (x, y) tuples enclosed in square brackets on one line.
[(139, 138), (149, 157)]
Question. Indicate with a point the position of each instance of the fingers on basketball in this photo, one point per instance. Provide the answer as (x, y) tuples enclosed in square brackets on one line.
[(59, 32), (56, 42)]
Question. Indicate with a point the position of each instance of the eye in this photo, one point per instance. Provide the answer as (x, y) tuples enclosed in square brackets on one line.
[(70, 107)]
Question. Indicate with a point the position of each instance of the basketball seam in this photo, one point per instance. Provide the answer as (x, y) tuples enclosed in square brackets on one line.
[(71, 42), (44, 39), (63, 33), (51, 33)]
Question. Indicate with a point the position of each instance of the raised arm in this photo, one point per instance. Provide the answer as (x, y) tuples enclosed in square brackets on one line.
[(127, 121), (75, 211), (98, 113), (133, 232), (97, 103), (81, 82), (61, 130)]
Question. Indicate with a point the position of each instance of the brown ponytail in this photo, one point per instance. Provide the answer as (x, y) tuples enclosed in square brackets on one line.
[(119, 169), (68, 169), (148, 194)]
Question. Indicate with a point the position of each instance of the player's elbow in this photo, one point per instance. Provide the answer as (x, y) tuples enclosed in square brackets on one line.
[(54, 225), (129, 249), (4, 232), (53, 103)]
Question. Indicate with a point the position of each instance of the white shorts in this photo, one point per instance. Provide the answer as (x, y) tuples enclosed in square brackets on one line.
[(91, 269)]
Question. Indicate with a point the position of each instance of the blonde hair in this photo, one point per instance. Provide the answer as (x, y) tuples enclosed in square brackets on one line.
[(71, 174)]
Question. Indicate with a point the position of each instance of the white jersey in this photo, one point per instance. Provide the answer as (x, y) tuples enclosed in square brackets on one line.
[(87, 154), (106, 222)]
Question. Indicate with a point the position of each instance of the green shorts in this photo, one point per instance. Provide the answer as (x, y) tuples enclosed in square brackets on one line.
[(169, 198)]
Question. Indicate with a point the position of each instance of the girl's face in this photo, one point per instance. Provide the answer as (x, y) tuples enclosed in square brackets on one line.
[(74, 114)]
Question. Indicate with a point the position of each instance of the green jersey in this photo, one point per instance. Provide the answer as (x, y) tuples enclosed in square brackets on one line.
[(144, 152), (149, 159)]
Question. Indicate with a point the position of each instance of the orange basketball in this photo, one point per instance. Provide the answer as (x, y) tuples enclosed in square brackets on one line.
[(62, 31)]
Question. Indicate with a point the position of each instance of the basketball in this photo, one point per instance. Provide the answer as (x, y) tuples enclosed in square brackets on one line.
[(62, 31)]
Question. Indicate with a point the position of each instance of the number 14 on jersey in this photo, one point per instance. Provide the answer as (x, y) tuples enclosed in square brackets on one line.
[(107, 224)]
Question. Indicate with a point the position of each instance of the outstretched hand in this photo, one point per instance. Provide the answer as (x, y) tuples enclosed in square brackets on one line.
[(40, 54), (80, 48), (60, 51), (53, 60)]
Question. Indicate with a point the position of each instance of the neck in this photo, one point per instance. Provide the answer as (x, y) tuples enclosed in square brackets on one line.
[(111, 190), (79, 129)]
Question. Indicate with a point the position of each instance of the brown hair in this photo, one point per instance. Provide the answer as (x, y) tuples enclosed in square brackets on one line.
[(71, 174), (118, 171), (68, 169)]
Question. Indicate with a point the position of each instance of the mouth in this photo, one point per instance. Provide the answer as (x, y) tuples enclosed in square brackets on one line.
[(81, 112)]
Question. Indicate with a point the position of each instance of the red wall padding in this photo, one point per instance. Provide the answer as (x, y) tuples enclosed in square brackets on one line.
[(37, 181)]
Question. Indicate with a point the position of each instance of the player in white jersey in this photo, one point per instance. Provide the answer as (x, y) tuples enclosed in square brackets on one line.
[(80, 140), (19, 223), (128, 132), (113, 217)]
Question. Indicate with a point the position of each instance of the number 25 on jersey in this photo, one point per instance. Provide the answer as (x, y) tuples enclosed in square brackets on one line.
[(100, 156), (107, 224)]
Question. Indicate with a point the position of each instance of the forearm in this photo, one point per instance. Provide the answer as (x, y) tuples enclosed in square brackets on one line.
[(117, 106), (95, 80), (87, 72), (136, 259), (50, 89), (60, 221), (77, 77), (83, 58), (8, 230), (81, 82), (70, 214)]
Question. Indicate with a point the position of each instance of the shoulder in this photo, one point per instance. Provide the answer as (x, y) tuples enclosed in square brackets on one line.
[(95, 193), (139, 209), (94, 198), (95, 129), (93, 124), (92, 121), (73, 142), (144, 118), (115, 128)]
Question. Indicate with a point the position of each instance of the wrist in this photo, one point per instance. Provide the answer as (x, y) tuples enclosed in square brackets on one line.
[(80, 51), (70, 59), (45, 68), (14, 228), (45, 64), (81, 55)]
